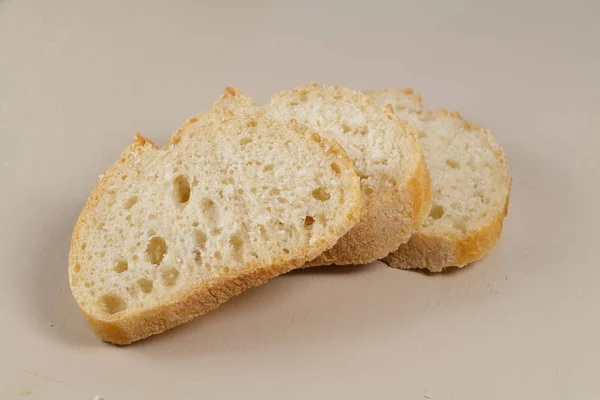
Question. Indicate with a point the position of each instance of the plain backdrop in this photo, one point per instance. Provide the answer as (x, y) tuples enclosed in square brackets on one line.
[(79, 78)]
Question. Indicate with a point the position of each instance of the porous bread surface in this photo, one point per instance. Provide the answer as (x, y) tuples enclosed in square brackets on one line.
[(386, 156), (234, 199), (400, 99), (470, 186)]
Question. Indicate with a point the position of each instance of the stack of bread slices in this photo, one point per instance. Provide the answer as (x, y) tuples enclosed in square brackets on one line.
[(241, 193)]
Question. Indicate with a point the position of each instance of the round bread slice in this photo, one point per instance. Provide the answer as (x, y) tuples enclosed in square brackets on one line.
[(234, 200), (386, 155), (470, 187)]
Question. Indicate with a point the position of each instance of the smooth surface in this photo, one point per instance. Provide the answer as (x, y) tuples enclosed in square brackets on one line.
[(79, 78)]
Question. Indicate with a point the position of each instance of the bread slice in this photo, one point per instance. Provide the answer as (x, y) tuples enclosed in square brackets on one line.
[(386, 155), (233, 200), (470, 185)]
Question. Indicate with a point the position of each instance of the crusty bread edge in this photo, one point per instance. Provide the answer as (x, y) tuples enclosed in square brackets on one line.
[(187, 305), (200, 299), (409, 92), (436, 252), (380, 231)]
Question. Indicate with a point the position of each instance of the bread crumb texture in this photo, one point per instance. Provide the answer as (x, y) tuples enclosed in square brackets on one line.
[(235, 198), (386, 155), (470, 186)]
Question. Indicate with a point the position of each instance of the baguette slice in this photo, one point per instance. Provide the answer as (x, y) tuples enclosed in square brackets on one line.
[(470, 185), (234, 200), (386, 155)]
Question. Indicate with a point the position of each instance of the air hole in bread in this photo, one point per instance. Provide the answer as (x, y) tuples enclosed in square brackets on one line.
[(275, 191), (336, 168), (322, 219), (422, 134), (121, 266), (198, 257), (368, 191), (237, 246), (156, 250), (77, 267), (200, 239), (83, 246), (251, 123), (308, 221), (112, 304), (244, 141), (452, 164), (286, 251), (169, 276), (152, 217), (363, 131), (123, 177), (216, 231), (436, 212), (181, 190), (346, 128), (195, 224), (210, 210), (146, 285), (321, 194), (218, 256), (263, 232), (268, 167), (292, 104)]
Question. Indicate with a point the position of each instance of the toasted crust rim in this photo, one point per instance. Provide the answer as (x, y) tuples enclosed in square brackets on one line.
[(201, 298), (434, 251), (392, 216)]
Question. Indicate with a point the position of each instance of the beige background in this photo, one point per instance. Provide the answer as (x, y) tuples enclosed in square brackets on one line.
[(79, 78)]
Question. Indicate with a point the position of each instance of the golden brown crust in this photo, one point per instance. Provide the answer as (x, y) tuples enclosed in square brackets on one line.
[(378, 230), (391, 215), (434, 250), (124, 328), (186, 306)]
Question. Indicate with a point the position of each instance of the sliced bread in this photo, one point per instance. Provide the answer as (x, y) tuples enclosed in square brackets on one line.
[(386, 155), (470, 186), (233, 200)]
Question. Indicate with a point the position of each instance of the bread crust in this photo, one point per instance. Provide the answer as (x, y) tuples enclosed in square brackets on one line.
[(408, 93), (434, 250), (390, 216), (199, 297), (385, 222)]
